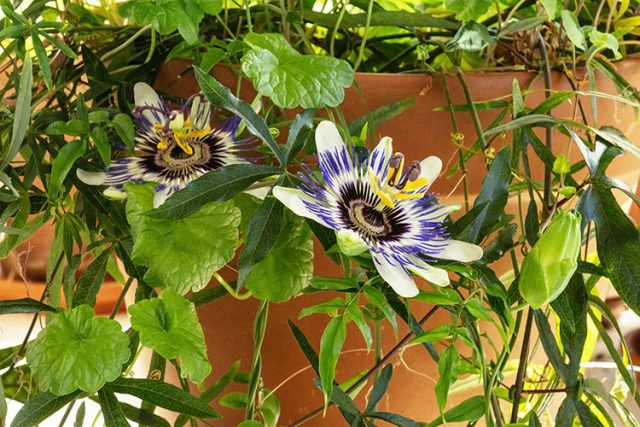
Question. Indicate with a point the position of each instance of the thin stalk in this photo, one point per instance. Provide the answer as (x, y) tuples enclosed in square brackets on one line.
[(123, 293), (248, 12), (456, 130), (522, 366), (549, 131), (371, 371), (472, 108), (125, 44), (334, 33), (364, 37), (259, 329)]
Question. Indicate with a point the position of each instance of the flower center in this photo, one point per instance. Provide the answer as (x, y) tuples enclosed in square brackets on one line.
[(397, 184), (176, 157), (368, 220), (182, 131)]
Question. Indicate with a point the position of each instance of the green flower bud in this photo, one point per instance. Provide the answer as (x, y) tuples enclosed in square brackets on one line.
[(350, 243), (547, 269)]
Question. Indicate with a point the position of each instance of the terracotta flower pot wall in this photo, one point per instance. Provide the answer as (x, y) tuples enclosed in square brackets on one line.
[(417, 132)]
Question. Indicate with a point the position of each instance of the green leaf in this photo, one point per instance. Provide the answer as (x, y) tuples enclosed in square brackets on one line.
[(211, 7), (572, 28), (181, 254), (22, 115), (471, 37), (448, 374), (330, 347), (328, 307), (380, 387), (469, 410), (618, 241), (164, 395), (305, 346), (91, 281), (551, 7), (23, 305), (77, 350), (299, 134), (550, 346), (40, 407), (262, 235), (80, 413), (169, 325), (111, 411), (221, 96), (123, 125), (43, 58), (234, 400), (61, 165), (377, 298), (221, 184), (288, 268), (142, 417), (291, 79), (101, 141), (395, 419), (218, 387), (466, 10), (493, 197)]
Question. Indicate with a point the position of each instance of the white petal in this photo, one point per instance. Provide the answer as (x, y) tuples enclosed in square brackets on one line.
[(396, 276), (161, 196), (380, 156), (91, 178), (144, 95), (294, 199), (456, 250), (328, 137), (437, 276), (430, 168), (200, 112)]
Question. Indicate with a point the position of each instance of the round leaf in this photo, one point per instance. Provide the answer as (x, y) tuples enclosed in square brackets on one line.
[(77, 351), (169, 324), (181, 254)]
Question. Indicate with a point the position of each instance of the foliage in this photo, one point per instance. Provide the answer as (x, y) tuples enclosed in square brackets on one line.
[(68, 77)]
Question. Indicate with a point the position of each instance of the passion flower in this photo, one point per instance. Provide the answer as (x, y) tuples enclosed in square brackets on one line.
[(172, 147), (387, 207)]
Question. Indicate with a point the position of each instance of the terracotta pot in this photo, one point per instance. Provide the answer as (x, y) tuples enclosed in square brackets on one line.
[(31, 258), (417, 132)]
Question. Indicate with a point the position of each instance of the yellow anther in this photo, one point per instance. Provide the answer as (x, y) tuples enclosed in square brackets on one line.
[(386, 199), (162, 145)]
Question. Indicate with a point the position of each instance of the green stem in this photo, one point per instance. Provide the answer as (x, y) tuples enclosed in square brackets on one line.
[(259, 329), (524, 353), (456, 130), (248, 12), (124, 45), (123, 293), (472, 108), (364, 37), (549, 130)]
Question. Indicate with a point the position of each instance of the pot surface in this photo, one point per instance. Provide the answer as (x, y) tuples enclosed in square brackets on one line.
[(417, 132)]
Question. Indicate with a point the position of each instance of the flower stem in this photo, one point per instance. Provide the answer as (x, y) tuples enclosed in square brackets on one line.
[(259, 328), (524, 353)]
